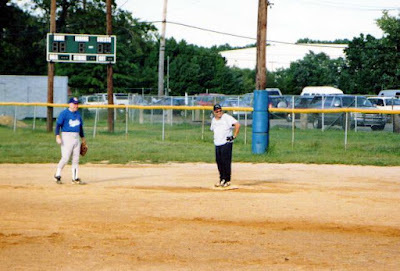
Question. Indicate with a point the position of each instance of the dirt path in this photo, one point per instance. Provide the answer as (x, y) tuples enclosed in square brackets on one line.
[(169, 217)]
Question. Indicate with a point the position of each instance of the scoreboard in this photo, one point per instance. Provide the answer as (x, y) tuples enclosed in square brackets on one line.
[(81, 48)]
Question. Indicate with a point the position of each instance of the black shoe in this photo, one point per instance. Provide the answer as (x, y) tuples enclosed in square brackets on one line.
[(57, 179), (77, 181)]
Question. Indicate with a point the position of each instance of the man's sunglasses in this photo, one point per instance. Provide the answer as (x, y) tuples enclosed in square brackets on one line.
[(218, 111)]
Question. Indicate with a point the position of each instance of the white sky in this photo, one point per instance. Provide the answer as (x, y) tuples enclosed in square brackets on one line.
[(288, 20)]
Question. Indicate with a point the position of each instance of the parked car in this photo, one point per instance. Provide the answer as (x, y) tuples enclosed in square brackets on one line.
[(385, 103), (235, 102), (300, 102), (248, 98), (277, 102), (208, 99), (274, 91), (83, 99), (95, 100), (174, 101), (121, 98), (375, 121)]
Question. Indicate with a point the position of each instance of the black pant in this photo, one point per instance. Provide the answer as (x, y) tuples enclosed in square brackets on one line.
[(223, 157)]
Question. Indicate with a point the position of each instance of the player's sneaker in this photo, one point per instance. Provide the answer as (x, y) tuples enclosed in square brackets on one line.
[(226, 184), (220, 183), (76, 181), (57, 179)]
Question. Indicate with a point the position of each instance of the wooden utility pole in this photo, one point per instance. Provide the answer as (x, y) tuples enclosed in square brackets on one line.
[(110, 86), (261, 72), (51, 71), (162, 53)]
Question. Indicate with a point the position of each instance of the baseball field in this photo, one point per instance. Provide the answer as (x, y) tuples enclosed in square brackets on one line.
[(169, 217)]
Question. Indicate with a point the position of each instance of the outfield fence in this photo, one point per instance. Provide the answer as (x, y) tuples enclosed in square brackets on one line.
[(127, 116)]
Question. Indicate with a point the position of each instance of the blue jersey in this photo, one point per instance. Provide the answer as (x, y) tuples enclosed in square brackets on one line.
[(70, 122)]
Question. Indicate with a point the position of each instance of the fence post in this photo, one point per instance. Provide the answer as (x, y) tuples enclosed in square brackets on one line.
[(141, 117), (171, 113), (323, 114), (355, 115), (34, 118), (126, 120), (202, 127), (163, 125), (345, 130), (15, 118), (245, 128), (95, 122), (293, 119), (303, 120), (396, 123)]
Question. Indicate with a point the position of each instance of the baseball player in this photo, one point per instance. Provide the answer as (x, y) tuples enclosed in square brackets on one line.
[(222, 125), (71, 125)]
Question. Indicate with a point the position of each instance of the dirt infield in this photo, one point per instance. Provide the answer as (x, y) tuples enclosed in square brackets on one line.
[(169, 217)]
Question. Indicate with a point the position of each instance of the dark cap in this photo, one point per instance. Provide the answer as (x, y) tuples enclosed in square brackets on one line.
[(73, 100), (217, 106)]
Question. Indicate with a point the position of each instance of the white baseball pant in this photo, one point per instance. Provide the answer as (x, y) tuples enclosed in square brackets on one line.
[(70, 145)]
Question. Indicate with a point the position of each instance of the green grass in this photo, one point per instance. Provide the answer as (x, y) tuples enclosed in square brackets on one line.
[(184, 143)]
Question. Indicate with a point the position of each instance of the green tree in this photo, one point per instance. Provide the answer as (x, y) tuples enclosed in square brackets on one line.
[(374, 64), (312, 70), (21, 41)]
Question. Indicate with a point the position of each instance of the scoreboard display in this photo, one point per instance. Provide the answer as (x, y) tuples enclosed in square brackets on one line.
[(81, 48)]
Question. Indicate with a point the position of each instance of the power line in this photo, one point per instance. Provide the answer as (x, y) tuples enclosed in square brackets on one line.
[(244, 37), (348, 5)]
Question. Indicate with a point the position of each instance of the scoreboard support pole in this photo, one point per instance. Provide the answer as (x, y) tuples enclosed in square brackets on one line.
[(51, 72), (110, 84)]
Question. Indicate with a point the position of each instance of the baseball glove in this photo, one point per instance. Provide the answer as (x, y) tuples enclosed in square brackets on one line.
[(84, 148)]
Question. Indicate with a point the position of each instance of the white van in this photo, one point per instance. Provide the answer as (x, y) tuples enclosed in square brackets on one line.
[(274, 91), (121, 98), (390, 93), (320, 90)]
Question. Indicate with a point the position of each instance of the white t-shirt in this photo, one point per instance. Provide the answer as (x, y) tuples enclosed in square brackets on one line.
[(222, 128)]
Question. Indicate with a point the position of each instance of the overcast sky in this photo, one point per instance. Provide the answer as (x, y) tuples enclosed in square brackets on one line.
[(288, 20)]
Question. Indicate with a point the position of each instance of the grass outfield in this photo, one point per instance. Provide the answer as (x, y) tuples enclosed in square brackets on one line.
[(183, 143)]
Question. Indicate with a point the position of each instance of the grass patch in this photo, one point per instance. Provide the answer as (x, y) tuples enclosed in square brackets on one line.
[(184, 143)]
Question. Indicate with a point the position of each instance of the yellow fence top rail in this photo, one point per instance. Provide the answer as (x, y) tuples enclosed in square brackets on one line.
[(243, 109)]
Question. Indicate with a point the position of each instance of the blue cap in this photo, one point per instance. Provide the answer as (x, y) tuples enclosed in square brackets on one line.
[(217, 106), (73, 100)]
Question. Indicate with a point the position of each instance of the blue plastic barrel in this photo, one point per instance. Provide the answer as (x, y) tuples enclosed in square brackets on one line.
[(260, 136), (259, 142), (260, 122), (260, 101)]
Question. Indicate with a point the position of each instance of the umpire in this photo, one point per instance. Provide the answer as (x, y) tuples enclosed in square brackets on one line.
[(222, 125)]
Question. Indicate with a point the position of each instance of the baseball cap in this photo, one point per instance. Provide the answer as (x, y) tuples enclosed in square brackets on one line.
[(217, 106), (73, 100)]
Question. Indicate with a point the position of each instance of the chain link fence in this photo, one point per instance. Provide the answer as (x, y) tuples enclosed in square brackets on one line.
[(355, 112)]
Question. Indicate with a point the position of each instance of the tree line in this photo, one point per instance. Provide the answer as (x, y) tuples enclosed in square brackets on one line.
[(371, 64)]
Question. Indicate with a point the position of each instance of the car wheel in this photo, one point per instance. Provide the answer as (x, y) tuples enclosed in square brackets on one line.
[(317, 122), (378, 127), (289, 117)]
